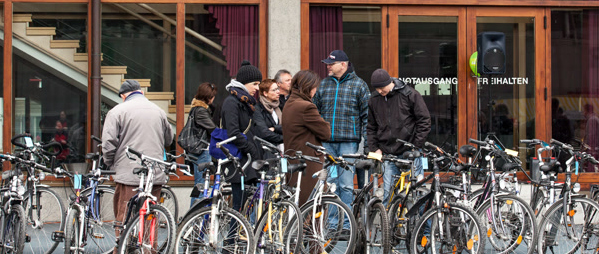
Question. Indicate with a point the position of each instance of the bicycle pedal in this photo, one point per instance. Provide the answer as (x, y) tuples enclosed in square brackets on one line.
[(57, 236), (98, 235)]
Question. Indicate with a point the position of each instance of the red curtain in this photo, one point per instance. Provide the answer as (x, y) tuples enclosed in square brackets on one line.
[(326, 35), (238, 26), (590, 54)]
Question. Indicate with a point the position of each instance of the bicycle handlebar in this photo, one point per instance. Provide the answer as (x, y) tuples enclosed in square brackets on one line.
[(13, 140), (226, 141), (477, 142)]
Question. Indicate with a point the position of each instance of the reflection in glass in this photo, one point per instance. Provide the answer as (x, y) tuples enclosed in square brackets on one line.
[(354, 29), (50, 87), (428, 61), (506, 102), (575, 79)]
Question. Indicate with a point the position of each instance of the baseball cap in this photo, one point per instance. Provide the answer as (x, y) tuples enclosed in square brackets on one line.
[(336, 56)]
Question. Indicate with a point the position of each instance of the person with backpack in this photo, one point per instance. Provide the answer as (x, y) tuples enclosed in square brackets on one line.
[(202, 117)]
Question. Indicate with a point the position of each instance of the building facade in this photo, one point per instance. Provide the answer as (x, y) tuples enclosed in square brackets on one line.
[(548, 89)]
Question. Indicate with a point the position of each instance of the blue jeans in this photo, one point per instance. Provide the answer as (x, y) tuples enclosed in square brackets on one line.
[(198, 173), (344, 179), (391, 170)]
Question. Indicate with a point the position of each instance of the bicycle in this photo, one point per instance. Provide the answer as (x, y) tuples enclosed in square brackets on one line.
[(44, 208), (145, 216), (570, 225), (373, 223), (324, 215), (278, 229), (509, 221), (445, 226), (86, 218), (210, 226)]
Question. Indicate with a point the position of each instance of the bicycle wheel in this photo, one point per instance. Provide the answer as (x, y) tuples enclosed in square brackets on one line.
[(281, 231), (71, 232), (570, 229), (14, 230), (453, 228), (156, 229), (101, 236), (324, 228), (378, 234), (45, 214), (169, 200), (510, 225), (234, 234)]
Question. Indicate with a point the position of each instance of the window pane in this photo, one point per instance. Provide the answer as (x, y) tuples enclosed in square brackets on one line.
[(50, 86), (354, 29), (575, 79)]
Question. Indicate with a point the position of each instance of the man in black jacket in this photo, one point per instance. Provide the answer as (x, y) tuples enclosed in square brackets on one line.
[(395, 111)]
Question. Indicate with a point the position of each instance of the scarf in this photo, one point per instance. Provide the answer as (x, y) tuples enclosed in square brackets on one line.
[(243, 96), (270, 106)]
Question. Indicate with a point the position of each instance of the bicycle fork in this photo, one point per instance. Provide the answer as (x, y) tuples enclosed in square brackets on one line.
[(145, 210)]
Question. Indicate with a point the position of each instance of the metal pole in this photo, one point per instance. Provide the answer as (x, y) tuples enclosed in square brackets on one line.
[(96, 75)]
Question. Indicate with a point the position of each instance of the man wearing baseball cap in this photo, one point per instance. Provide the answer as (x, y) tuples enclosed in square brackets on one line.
[(342, 100)]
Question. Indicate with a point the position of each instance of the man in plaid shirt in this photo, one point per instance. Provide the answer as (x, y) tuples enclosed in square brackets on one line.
[(342, 100)]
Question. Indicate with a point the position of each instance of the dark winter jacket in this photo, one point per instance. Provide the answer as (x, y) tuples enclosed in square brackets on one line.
[(235, 118), (401, 114), (344, 104), (263, 121), (202, 116)]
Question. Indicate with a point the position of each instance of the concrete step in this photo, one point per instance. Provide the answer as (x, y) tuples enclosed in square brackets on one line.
[(61, 44), (21, 18), (41, 31), (173, 109), (82, 57), (160, 96), (114, 70)]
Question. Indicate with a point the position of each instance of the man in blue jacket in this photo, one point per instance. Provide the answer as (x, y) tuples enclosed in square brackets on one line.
[(342, 100)]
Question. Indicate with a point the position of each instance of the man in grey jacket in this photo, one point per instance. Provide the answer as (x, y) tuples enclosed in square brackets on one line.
[(139, 124)]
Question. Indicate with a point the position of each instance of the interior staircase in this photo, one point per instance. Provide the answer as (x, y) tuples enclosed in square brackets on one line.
[(65, 51)]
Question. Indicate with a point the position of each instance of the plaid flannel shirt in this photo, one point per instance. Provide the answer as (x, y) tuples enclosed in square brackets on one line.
[(344, 104)]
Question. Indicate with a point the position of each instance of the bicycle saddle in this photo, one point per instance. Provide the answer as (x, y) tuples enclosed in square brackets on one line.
[(364, 164), (410, 155), (209, 166), (553, 166), (468, 150), (92, 156), (138, 171), (6, 175), (510, 166), (299, 167)]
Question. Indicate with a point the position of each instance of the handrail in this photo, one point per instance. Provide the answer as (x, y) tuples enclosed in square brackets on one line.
[(187, 30), (160, 28)]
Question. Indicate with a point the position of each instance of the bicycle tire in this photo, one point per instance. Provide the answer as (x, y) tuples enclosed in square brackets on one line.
[(195, 228), (14, 239), (129, 241), (463, 223), (517, 217), (169, 200), (291, 229), (334, 234), (42, 224), (379, 238), (555, 233), (71, 231), (101, 235)]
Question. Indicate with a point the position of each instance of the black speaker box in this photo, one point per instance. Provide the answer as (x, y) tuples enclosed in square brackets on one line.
[(491, 53)]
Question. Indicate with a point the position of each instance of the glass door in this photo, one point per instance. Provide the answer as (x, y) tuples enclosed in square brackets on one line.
[(427, 43)]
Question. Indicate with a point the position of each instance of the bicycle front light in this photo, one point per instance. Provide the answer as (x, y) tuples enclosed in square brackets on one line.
[(41, 176), (576, 188)]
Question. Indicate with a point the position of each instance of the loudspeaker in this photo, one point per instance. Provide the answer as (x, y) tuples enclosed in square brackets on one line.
[(491, 53)]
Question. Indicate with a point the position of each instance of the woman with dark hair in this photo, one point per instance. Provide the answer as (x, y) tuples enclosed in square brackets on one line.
[(302, 123), (268, 114), (202, 116), (236, 118)]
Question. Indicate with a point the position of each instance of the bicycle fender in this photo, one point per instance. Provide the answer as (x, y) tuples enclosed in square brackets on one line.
[(578, 196), (197, 205), (421, 201), (374, 201), (43, 185)]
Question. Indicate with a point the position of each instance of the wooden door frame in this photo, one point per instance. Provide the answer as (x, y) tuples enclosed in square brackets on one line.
[(542, 78)]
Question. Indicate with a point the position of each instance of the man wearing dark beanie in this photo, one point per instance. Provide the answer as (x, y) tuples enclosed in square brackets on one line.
[(395, 111)]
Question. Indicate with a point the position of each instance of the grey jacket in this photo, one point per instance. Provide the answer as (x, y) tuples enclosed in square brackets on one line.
[(141, 125)]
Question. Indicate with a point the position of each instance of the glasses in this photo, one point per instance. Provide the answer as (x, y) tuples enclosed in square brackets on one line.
[(274, 90)]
